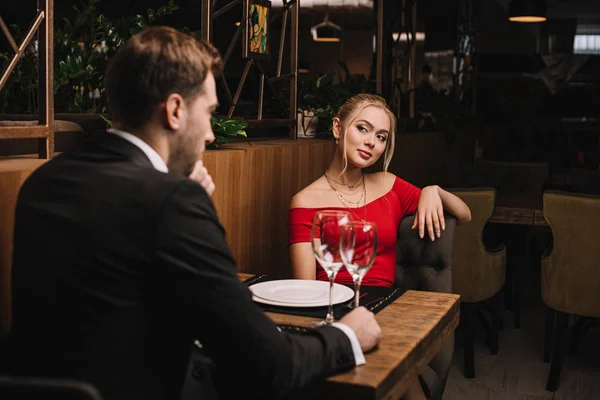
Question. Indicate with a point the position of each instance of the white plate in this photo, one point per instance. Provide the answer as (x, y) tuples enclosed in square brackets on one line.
[(299, 293)]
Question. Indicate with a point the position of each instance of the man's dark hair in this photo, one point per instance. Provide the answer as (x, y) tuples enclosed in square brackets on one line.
[(153, 64)]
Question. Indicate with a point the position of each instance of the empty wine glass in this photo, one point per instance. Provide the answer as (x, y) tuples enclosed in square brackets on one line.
[(325, 240), (358, 248)]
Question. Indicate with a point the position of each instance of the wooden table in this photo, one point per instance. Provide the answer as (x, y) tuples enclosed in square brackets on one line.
[(515, 210), (414, 328)]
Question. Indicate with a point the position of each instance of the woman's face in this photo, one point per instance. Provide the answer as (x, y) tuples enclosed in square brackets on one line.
[(366, 137)]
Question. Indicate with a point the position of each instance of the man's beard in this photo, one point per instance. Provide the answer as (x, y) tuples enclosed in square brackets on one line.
[(183, 156)]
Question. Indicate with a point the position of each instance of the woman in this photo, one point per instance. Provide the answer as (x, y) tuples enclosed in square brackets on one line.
[(364, 130)]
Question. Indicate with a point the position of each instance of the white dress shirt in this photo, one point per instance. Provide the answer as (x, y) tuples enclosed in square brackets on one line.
[(159, 164)]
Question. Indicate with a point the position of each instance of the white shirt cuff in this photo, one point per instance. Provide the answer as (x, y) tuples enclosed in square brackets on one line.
[(359, 357)]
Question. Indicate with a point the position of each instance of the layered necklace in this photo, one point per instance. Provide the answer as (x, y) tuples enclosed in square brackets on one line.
[(339, 189)]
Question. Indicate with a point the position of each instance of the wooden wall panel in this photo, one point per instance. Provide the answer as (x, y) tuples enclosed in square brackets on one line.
[(425, 158), (13, 173), (254, 186)]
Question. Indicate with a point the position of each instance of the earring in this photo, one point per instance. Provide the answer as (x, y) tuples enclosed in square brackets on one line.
[(337, 141)]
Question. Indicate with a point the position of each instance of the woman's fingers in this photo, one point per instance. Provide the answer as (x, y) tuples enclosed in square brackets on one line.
[(436, 224), (429, 221), (442, 218)]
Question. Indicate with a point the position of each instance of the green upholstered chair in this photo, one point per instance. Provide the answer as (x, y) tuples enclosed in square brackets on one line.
[(477, 272), (570, 273)]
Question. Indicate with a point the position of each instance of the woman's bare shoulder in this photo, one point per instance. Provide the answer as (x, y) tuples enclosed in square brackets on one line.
[(383, 180), (311, 196)]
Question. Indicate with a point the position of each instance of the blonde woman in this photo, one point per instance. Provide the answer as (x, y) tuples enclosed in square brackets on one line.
[(364, 130)]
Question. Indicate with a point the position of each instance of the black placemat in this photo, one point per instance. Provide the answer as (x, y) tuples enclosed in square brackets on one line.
[(374, 298)]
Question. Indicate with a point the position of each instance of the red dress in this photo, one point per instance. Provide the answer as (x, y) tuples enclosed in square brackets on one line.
[(386, 211)]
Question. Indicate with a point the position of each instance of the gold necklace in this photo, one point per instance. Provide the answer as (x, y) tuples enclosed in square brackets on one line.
[(344, 201), (350, 186)]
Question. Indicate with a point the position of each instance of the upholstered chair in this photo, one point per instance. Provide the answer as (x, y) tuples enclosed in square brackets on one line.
[(523, 179), (425, 265), (518, 184), (570, 273), (477, 272), (585, 181)]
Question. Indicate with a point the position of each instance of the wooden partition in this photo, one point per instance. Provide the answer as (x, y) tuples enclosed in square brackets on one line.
[(13, 173), (254, 186), (426, 158)]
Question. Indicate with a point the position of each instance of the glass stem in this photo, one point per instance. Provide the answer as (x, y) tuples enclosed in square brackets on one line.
[(329, 318), (357, 281)]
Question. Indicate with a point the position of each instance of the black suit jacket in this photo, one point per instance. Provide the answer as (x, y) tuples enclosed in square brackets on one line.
[(117, 268)]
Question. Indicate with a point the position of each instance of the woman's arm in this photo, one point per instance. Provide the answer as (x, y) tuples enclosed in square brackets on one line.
[(303, 261), (455, 206), (430, 212)]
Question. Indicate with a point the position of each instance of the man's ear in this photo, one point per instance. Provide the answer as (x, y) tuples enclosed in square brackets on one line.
[(174, 111), (337, 128)]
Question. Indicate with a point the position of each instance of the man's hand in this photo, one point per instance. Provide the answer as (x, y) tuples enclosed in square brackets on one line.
[(364, 325), (200, 175)]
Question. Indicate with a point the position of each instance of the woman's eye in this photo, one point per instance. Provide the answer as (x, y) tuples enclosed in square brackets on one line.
[(382, 138), (362, 128)]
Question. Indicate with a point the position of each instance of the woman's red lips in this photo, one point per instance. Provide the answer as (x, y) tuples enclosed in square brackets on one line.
[(364, 154)]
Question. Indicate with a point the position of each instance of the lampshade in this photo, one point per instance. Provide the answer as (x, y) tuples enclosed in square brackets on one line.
[(527, 11), (326, 31)]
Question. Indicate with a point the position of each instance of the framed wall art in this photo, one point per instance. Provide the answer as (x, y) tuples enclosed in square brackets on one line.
[(256, 29)]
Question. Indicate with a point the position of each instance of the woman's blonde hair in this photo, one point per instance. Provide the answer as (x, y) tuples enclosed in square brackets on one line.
[(348, 113)]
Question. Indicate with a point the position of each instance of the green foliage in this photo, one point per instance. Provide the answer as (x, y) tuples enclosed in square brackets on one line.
[(226, 128), (323, 97), (82, 47)]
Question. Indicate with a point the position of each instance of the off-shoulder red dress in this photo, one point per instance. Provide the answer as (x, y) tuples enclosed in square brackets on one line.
[(386, 211)]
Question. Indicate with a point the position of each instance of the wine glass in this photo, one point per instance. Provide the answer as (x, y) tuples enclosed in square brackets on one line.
[(325, 240), (358, 248)]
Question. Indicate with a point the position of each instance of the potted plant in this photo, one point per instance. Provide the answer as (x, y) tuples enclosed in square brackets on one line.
[(225, 129)]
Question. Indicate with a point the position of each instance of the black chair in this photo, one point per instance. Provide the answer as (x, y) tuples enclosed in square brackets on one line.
[(26, 388), (425, 265), (34, 388)]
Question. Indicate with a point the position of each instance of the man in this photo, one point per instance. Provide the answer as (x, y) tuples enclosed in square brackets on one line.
[(120, 262)]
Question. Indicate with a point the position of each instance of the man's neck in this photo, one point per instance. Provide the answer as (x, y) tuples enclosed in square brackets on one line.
[(155, 139)]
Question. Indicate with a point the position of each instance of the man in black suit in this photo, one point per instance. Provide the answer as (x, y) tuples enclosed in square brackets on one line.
[(120, 261)]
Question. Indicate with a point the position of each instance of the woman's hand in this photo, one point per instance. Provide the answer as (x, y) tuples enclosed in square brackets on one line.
[(430, 213), (201, 175)]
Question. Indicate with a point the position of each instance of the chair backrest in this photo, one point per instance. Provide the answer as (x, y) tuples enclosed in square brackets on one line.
[(571, 273), (422, 264), (475, 272), (512, 178), (25, 388), (425, 265), (585, 180)]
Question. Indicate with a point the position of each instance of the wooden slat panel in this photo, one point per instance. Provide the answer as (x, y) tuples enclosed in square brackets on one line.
[(24, 132), (254, 186), (12, 175), (273, 173)]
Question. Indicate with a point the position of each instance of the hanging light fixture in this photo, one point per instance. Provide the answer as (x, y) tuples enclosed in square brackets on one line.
[(326, 31), (527, 11)]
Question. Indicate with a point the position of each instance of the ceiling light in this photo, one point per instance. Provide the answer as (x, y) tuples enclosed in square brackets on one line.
[(404, 36), (527, 11), (326, 31)]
